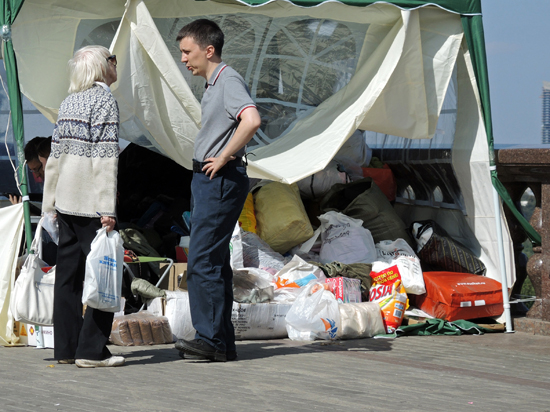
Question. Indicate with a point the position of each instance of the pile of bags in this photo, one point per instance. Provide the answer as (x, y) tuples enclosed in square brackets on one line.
[(329, 258), (357, 272)]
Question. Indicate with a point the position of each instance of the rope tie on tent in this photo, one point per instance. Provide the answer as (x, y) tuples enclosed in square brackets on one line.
[(6, 32)]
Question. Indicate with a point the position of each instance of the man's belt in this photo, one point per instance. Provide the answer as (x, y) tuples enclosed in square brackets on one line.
[(198, 166)]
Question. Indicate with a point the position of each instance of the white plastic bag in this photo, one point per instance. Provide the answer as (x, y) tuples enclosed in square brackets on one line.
[(49, 223), (313, 315), (296, 274), (398, 252), (103, 279), (252, 285), (345, 240), (258, 254), (236, 248)]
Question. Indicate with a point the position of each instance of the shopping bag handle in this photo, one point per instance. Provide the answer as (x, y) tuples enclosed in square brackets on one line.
[(36, 245)]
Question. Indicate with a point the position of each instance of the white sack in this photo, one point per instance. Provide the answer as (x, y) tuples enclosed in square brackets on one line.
[(179, 314), (398, 252), (360, 320)]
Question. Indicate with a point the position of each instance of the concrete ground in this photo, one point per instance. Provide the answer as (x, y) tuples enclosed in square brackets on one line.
[(493, 372)]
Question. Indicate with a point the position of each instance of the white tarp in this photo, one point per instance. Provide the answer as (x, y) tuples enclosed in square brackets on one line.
[(402, 71), (11, 228)]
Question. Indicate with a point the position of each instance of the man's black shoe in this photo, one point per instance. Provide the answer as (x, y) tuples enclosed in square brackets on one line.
[(229, 355), (198, 347)]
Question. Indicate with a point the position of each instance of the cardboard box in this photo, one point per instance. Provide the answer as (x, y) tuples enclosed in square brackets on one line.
[(176, 278), (27, 334), (346, 290)]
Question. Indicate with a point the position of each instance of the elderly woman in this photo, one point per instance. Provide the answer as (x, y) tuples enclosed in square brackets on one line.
[(80, 187)]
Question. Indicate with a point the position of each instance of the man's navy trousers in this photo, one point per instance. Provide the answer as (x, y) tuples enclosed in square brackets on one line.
[(215, 209)]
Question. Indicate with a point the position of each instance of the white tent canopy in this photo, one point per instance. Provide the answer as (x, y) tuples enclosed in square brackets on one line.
[(317, 74)]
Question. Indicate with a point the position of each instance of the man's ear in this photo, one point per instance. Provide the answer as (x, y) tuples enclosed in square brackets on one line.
[(210, 51)]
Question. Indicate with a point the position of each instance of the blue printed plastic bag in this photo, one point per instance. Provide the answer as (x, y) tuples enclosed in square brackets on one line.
[(103, 279)]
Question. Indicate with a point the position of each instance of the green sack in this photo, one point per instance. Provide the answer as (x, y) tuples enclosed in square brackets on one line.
[(281, 218)]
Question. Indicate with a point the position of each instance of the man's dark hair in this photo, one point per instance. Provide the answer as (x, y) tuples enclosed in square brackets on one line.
[(44, 148), (31, 148), (205, 33)]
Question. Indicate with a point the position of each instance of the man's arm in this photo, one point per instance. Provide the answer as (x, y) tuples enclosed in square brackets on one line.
[(249, 123)]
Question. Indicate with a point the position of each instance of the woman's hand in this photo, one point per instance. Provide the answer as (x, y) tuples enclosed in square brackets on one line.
[(14, 199), (108, 222)]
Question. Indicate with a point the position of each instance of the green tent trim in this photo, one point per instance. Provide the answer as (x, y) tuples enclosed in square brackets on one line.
[(10, 10)]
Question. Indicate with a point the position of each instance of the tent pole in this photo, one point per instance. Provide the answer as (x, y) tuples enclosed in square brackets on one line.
[(16, 109), (503, 275)]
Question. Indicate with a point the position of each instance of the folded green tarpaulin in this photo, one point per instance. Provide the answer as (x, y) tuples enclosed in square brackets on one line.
[(443, 327)]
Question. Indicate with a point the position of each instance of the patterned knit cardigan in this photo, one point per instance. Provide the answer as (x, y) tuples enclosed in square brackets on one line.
[(81, 172)]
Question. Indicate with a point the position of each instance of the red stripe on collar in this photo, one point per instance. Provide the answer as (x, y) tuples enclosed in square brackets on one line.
[(218, 75)]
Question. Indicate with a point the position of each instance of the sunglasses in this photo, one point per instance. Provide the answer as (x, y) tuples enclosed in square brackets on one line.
[(112, 59)]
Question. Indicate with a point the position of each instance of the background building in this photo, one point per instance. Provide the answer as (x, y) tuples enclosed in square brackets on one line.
[(545, 112)]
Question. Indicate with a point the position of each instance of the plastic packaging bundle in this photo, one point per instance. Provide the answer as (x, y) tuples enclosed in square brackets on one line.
[(142, 328), (292, 278)]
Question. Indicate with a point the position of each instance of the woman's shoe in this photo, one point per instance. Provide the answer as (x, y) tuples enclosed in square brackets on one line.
[(90, 363)]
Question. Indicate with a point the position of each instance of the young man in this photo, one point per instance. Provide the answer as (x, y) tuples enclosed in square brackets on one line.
[(219, 189)]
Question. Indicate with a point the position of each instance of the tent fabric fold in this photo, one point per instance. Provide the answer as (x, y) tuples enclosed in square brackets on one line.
[(11, 227)]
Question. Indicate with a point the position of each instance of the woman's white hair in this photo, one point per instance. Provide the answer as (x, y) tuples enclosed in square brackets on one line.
[(89, 64)]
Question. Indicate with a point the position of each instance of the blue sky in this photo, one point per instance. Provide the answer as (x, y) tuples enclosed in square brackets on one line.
[(517, 37)]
